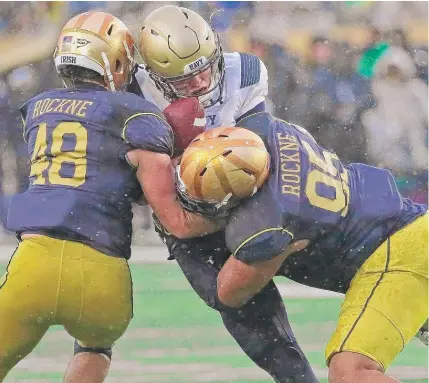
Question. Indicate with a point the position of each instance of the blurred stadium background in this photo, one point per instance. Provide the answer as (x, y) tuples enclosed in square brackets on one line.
[(355, 74)]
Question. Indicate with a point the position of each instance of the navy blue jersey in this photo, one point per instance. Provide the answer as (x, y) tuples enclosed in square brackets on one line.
[(345, 211), (81, 185)]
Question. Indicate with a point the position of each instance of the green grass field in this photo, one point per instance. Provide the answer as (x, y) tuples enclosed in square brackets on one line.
[(174, 337)]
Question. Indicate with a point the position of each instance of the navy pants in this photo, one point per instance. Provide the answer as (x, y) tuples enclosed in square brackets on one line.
[(261, 327)]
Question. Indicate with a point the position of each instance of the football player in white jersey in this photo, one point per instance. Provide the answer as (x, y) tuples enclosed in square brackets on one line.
[(183, 58)]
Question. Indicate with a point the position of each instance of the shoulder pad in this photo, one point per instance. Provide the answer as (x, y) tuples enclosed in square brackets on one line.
[(250, 70), (131, 103), (254, 233), (25, 107)]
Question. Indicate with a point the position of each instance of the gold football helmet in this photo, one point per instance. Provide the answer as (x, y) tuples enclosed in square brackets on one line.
[(100, 42), (221, 167), (177, 45)]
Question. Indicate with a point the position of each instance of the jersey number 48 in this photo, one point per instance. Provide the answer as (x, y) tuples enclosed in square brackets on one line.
[(41, 161)]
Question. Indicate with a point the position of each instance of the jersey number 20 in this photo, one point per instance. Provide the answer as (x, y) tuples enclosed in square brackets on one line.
[(40, 161)]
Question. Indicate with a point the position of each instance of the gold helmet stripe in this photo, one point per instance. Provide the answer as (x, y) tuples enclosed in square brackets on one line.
[(227, 130), (220, 131), (240, 163), (82, 18), (221, 175), (94, 22), (92, 18), (198, 185), (106, 23), (197, 178), (185, 161)]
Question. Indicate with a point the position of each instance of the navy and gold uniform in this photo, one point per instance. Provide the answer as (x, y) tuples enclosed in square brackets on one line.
[(73, 269), (365, 238), (81, 184)]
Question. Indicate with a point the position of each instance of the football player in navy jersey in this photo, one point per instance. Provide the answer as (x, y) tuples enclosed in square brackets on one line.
[(297, 211), (93, 149)]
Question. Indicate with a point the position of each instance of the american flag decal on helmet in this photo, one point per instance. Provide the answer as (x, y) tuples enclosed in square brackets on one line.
[(66, 45)]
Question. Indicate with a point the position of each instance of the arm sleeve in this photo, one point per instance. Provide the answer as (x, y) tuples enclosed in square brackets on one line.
[(254, 82), (256, 234), (144, 126), (148, 131)]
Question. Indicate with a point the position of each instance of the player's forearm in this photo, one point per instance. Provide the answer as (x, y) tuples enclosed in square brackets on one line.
[(197, 225), (238, 282), (155, 173), (184, 224), (235, 288)]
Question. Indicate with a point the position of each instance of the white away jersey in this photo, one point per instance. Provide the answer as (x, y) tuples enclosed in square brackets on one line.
[(245, 86)]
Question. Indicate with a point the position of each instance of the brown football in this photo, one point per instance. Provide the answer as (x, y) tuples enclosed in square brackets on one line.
[(187, 118)]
